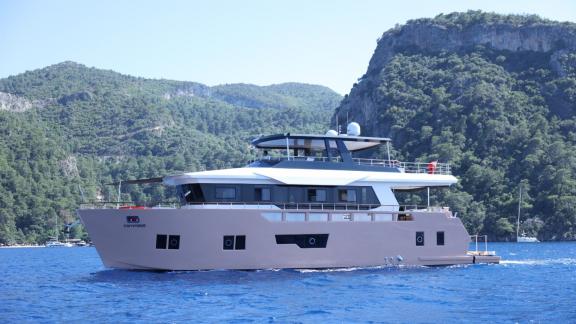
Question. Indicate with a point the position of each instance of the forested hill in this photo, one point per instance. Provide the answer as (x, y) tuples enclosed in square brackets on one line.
[(66, 130), (495, 96)]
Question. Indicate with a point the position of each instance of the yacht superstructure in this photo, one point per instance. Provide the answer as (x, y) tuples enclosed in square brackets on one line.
[(306, 202)]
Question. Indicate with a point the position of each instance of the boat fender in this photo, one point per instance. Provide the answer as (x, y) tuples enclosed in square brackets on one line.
[(432, 167), (473, 259)]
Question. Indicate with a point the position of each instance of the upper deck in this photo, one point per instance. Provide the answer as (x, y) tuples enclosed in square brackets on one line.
[(333, 152)]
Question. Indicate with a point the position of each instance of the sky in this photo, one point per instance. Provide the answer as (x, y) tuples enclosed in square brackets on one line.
[(216, 42)]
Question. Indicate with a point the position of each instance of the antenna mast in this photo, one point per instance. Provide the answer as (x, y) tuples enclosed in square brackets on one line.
[(519, 209)]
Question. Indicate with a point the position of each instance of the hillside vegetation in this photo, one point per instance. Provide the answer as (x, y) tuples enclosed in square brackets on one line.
[(493, 95), (68, 130)]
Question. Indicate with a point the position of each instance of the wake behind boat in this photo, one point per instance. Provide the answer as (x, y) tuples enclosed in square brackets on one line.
[(305, 203)]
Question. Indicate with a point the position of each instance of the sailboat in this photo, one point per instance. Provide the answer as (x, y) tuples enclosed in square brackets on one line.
[(522, 238), (54, 241)]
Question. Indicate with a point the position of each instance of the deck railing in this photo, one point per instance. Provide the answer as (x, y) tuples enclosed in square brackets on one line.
[(406, 167), (264, 205), (477, 251)]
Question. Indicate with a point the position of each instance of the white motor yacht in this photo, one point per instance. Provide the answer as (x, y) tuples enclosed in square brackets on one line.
[(307, 202)]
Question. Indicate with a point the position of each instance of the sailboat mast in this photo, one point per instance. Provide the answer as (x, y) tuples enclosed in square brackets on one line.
[(56, 227), (519, 208)]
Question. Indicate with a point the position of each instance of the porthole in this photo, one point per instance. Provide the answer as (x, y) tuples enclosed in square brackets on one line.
[(228, 242), (419, 238), (312, 241), (174, 242)]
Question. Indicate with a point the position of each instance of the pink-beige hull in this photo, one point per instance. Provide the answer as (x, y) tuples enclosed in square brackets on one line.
[(350, 243)]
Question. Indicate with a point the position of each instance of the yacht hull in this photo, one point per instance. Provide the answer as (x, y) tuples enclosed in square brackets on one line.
[(129, 239)]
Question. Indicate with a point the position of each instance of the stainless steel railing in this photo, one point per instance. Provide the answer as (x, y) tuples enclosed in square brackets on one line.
[(263, 205), (475, 238), (406, 167)]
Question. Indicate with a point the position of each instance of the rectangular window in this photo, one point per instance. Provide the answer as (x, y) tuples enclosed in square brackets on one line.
[(225, 193), (419, 238), (228, 242), (174, 242), (295, 217), (191, 193), (362, 217), (439, 238), (333, 151), (262, 194), (161, 241), (347, 195), (318, 217), (240, 242), (316, 195), (273, 217), (338, 217), (382, 217)]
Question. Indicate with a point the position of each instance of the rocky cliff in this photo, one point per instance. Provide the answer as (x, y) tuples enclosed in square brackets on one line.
[(495, 96), (463, 33)]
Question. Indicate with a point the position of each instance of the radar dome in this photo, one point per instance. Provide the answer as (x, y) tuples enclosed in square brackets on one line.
[(353, 129), (331, 133)]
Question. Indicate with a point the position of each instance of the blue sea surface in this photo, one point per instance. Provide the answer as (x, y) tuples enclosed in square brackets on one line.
[(534, 283)]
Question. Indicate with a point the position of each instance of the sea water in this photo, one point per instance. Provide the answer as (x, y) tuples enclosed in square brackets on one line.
[(536, 282)]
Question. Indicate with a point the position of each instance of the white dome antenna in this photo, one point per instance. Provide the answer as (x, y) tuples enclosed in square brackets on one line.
[(353, 129), (331, 133)]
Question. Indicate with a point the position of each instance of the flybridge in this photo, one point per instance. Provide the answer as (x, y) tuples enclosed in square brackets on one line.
[(316, 142), (334, 151)]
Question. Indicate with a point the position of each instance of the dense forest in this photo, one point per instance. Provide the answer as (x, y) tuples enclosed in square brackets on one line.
[(68, 130), (493, 95)]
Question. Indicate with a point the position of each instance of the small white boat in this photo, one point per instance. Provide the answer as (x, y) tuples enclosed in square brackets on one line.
[(54, 243), (526, 239), (522, 238)]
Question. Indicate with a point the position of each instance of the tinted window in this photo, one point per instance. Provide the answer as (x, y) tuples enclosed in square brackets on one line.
[(439, 238), (316, 195), (191, 193), (333, 151), (161, 241), (225, 193), (262, 194), (347, 195), (240, 242)]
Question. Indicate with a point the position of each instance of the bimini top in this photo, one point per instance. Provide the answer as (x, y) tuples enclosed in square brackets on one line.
[(316, 142)]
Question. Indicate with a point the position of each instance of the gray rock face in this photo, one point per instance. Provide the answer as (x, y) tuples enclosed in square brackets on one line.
[(15, 103), (188, 90), (431, 36)]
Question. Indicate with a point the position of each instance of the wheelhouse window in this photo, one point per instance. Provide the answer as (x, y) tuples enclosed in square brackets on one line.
[(262, 194), (316, 195), (333, 152), (225, 193), (347, 195), (190, 193)]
